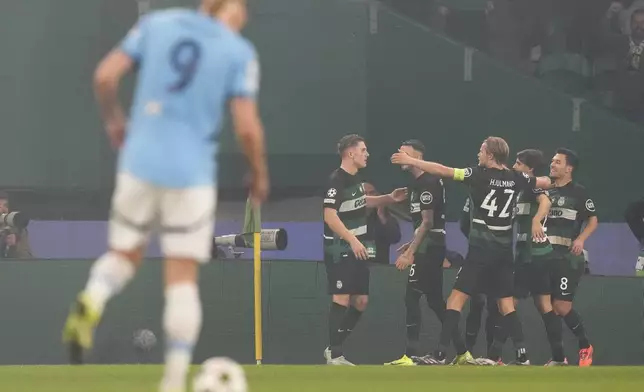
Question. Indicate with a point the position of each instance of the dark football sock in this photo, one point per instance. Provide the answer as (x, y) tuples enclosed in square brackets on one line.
[(473, 322), (494, 325), (554, 330), (498, 332), (437, 304), (500, 335), (351, 318), (576, 325), (337, 313), (451, 333), (413, 319), (515, 330)]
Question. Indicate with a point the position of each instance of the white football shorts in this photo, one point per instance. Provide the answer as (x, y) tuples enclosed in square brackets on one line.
[(184, 218)]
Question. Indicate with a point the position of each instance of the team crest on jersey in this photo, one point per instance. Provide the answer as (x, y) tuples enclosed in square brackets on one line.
[(331, 192), (561, 201), (590, 205), (338, 284), (426, 197), (468, 172), (526, 175)]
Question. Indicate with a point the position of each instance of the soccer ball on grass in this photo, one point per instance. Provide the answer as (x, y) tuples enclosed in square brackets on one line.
[(220, 375), (144, 339)]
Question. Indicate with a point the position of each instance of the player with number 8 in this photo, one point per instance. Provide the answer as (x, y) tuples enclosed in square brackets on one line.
[(489, 265), (572, 219)]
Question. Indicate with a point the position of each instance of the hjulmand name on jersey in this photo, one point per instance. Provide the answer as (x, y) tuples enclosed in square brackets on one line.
[(502, 183)]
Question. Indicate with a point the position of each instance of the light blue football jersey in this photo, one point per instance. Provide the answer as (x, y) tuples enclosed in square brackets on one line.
[(189, 66)]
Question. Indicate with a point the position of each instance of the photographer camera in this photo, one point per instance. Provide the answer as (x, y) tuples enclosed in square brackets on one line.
[(14, 237)]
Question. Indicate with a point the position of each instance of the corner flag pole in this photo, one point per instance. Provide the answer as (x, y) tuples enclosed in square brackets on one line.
[(253, 224)]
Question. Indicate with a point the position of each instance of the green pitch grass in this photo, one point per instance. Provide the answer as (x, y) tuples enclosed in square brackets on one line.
[(140, 378)]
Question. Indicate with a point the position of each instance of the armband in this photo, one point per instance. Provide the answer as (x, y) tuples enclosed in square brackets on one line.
[(459, 174)]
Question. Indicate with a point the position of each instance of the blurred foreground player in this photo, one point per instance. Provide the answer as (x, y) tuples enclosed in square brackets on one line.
[(572, 219), (348, 244), (425, 253), (191, 63), (489, 265)]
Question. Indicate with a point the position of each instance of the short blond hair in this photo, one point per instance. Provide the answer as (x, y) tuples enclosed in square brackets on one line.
[(215, 6), (498, 148)]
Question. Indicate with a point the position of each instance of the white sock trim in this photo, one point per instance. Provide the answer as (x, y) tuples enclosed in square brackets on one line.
[(182, 323), (108, 276)]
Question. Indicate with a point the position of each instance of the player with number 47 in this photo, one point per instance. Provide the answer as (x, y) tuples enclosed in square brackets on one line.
[(493, 189)]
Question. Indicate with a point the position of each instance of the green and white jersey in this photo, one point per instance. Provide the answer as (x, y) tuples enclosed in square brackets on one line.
[(527, 207), (571, 208), (346, 195), (493, 194)]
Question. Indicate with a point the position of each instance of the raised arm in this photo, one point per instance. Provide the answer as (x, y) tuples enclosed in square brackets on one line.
[(402, 158), (544, 183), (396, 196)]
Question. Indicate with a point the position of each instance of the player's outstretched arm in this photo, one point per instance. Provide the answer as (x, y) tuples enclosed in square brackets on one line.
[(544, 183), (397, 196), (332, 219), (250, 135), (402, 158), (107, 78)]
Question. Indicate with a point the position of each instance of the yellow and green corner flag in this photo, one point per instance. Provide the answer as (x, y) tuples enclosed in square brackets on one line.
[(252, 219), (253, 224)]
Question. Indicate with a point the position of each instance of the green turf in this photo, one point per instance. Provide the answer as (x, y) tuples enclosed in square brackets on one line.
[(139, 378)]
